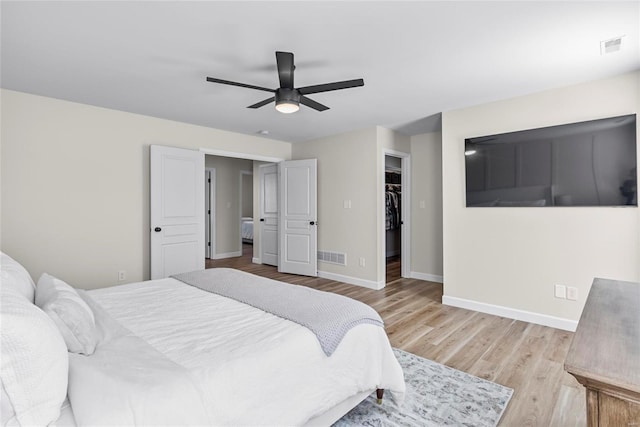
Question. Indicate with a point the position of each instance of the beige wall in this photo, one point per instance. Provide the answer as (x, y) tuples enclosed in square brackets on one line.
[(351, 167), (227, 206), (426, 206), (513, 257), (348, 169), (247, 193), (75, 186), (393, 140)]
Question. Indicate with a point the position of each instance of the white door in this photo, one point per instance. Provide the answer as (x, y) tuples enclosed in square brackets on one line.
[(177, 211), (298, 217), (269, 214)]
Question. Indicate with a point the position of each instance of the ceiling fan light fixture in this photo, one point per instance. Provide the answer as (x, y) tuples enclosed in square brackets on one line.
[(287, 106), (287, 97)]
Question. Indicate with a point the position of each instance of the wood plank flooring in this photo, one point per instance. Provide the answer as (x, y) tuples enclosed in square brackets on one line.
[(526, 357)]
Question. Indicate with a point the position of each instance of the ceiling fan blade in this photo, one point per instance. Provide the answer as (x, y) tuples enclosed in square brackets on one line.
[(313, 104), (330, 86), (227, 82), (262, 103), (285, 69)]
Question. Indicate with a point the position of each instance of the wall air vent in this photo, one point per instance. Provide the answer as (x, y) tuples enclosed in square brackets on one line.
[(339, 258), (611, 45)]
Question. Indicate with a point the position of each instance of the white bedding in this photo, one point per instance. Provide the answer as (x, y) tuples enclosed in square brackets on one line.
[(249, 367)]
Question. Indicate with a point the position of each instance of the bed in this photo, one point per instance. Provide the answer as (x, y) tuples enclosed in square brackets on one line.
[(246, 229), (169, 352)]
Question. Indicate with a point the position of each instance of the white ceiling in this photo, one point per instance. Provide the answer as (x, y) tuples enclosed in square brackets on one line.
[(417, 58)]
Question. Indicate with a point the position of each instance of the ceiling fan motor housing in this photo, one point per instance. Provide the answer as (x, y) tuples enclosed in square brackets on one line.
[(287, 96)]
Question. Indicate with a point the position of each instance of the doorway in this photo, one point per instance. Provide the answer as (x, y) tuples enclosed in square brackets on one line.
[(290, 245), (224, 204), (396, 202)]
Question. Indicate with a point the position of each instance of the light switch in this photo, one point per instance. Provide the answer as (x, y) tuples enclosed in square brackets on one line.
[(561, 291), (423, 204), (346, 204)]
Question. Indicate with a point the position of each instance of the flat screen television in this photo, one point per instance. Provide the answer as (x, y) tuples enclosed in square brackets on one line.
[(591, 163)]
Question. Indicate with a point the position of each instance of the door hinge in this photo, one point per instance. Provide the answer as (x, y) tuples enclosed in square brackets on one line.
[(209, 244), (209, 180), (209, 211)]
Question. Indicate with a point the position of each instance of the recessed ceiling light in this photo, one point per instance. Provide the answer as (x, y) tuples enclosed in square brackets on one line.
[(611, 45), (263, 132)]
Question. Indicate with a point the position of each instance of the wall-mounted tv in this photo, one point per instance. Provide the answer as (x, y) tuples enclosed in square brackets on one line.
[(591, 163)]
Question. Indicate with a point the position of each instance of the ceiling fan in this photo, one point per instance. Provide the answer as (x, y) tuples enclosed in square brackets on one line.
[(288, 98)]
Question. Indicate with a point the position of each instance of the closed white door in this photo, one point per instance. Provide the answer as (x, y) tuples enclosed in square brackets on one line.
[(298, 217), (177, 211), (269, 214)]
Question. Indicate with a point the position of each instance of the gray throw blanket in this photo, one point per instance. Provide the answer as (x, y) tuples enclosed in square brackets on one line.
[(329, 316)]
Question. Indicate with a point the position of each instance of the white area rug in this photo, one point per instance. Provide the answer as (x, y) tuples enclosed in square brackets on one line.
[(437, 395)]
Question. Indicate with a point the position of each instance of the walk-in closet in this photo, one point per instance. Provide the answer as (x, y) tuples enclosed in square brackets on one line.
[(393, 216)]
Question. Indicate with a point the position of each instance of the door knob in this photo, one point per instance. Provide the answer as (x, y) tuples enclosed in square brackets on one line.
[(157, 229), (312, 223), (261, 219)]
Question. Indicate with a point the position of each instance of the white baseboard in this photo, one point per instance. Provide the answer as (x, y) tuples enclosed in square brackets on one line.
[(351, 280), (426, 276), (512, 313), (228, 255), (256, 260)]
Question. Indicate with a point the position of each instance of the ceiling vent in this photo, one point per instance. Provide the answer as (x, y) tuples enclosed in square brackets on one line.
[(611, 45)]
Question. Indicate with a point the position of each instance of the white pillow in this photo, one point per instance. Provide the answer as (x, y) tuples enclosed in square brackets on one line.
[(69, 312), (34, 363), (14, 276)]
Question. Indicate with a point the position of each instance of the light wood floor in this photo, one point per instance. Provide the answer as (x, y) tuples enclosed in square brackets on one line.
[(526, 357)]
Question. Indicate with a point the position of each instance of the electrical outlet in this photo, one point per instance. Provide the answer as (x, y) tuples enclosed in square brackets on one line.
[(561, 291), (572, 293), (122, 275), (361, 261)]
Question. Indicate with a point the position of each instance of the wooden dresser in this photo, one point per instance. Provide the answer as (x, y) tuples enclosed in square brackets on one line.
[(605, 353)]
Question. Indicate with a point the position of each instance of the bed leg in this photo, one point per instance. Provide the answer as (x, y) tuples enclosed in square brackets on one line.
[(379, 393)]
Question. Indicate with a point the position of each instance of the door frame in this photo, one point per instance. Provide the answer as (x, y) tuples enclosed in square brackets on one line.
[(237, 155), (212, 207), (405, 231)]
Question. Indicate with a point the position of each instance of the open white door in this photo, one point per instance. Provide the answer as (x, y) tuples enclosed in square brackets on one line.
[(298, 217), (177, 211), (269, 214)]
